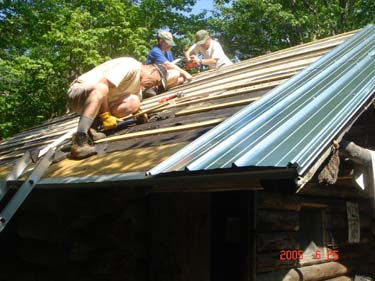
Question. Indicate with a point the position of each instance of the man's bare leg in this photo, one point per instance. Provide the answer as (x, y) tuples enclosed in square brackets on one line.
[(125, 106)]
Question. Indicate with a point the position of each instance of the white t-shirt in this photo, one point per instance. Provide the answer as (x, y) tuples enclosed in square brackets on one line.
[(124, 73), (215, 51)]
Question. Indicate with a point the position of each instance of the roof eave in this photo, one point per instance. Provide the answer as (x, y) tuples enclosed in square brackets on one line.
[(225, 179)]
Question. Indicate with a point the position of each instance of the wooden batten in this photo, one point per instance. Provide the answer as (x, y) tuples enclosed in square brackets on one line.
[(37, 139), (251, 90), (163, 130), (247, 79), (18, 151), (240, 79), (215, 107), (56, 124)]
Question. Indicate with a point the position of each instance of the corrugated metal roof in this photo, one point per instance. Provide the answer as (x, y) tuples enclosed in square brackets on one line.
[(293, 124)]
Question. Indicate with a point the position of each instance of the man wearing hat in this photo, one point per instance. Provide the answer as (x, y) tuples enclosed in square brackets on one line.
[(213, 54), (110, 91), (161, 54)]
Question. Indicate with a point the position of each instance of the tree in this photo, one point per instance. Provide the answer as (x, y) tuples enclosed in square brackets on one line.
[(47, 44), (254, 27)]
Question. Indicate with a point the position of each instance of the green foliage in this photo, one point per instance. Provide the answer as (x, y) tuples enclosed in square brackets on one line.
[(253, 27), (17, 102), (45, 44)]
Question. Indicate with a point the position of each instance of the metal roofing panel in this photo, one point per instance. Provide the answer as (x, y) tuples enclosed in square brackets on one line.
[(294, 123)]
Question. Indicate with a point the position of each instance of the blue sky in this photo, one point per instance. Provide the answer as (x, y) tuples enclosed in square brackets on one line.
[(202, 5)]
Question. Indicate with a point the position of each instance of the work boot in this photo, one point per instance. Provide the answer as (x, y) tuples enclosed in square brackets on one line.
[(95, 135), (82, 146), (67, 147)]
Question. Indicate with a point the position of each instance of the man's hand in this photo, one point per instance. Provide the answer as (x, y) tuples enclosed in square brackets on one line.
[(188, 76), (195, 59), (191, 64)]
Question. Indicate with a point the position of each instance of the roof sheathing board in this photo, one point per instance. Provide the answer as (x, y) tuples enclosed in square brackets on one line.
[(294, 123)]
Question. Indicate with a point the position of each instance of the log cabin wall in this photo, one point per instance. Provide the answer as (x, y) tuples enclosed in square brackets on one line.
[(318, 226), (199, 236), (77, 235), (117, 235)]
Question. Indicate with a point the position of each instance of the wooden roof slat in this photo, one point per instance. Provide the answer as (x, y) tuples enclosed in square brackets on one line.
[(243, 79), (212, 122), (215, 107), (30, 141), (195, 87)]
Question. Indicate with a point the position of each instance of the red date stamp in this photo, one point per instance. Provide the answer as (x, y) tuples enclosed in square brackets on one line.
[(332, 254), (291, 255), (295, 255)]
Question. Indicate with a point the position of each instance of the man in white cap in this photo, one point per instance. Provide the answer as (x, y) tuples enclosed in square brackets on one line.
[(109, 91), (161, 54), (213, 54)]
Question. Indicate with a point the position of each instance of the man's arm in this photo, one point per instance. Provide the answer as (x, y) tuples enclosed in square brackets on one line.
[(199, 61), (189, 51), (157, 56), (208, 61), (170, 65), (196, 60)]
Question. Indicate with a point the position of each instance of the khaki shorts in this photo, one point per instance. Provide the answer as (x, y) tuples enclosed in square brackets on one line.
[(77, 95)]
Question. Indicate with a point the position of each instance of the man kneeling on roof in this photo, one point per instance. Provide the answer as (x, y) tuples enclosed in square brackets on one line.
[(162, 54), (110, 91)]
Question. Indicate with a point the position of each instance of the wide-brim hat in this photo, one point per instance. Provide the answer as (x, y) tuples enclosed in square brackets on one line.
[(167, 37), (163, 75), (201, 37)]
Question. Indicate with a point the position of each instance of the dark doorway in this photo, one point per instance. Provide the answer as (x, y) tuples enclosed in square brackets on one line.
[(231, 235)]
